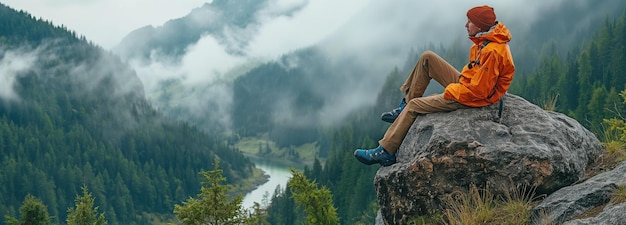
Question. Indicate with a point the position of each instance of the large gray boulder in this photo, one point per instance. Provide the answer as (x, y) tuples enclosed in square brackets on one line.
[(448, 152), (574, 200)]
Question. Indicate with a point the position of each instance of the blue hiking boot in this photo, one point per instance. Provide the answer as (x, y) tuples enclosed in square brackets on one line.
[(373, 156), (391, 116)]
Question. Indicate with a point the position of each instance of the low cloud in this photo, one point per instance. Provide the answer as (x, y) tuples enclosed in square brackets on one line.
[(13, 64)]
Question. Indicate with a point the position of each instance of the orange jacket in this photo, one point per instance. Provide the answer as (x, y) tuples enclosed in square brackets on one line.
[(483, 84)]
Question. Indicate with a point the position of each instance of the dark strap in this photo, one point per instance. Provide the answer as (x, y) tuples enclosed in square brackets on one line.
[(485, 43), (500, 107), (476, 61)]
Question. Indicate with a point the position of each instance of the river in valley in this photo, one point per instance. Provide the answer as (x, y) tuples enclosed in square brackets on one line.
[(278, 175)]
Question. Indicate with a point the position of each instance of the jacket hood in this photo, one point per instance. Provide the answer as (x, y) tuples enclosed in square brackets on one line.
[(498, 33)]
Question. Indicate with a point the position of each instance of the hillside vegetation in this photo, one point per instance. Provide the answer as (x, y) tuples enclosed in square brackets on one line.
[(74, 115)]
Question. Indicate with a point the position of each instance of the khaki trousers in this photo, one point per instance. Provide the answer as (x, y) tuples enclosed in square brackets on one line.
[(429, 66)]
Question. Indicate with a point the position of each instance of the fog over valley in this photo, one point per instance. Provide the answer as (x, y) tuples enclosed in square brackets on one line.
[(188, 62)]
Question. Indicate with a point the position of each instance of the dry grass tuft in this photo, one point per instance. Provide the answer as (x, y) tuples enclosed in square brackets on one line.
[(619, 195), (481, 206), (548, 103)]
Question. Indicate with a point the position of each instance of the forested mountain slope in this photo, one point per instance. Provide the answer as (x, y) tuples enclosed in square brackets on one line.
[(72, 114), (585, 83)]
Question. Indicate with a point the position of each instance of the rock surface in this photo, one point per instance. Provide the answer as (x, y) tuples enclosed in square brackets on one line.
[(574, 200), (448, 152), (612, 214)]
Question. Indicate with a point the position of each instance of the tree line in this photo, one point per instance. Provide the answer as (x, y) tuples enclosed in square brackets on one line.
[(212, 206)]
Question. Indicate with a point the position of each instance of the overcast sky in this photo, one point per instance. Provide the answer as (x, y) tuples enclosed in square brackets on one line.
[(106, 22)]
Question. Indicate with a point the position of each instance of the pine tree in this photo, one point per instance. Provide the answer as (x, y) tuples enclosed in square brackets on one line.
[(282, 209), (596, 109), (32, 212), (259, 215), (317, 202), (584, 85), (212, 206), (84, 213)]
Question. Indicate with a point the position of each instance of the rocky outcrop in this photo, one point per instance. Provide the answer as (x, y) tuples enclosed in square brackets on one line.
[(448, 152), (612, 214), (574, 200)]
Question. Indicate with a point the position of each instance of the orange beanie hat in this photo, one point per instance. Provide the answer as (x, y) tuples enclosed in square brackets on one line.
[(482, 16)]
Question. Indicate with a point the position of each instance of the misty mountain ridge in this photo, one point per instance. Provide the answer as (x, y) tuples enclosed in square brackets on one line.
[(229, 22)]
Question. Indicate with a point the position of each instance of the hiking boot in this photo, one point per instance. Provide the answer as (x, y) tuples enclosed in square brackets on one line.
[(391, 116), (373, 156)]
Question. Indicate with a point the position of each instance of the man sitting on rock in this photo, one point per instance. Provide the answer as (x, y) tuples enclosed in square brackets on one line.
[(482, 82)]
